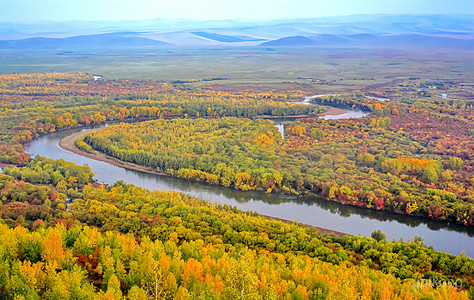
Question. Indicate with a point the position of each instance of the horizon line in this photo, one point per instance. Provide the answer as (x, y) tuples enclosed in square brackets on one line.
[(235, 19)]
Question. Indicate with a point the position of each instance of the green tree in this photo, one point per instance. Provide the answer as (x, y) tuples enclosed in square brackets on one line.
[(378, 235), (430, 175), (317, 133), (446, 176), (366, 159), (455, 163)]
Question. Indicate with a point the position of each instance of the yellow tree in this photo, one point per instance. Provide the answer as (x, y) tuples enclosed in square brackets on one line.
[(53, 252)]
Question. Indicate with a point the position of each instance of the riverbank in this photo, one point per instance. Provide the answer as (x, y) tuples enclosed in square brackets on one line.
[(4, 165), (332, 111), (68, 143), (320, 229)]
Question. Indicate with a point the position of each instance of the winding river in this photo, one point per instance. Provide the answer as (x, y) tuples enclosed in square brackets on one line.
[(315, 211)]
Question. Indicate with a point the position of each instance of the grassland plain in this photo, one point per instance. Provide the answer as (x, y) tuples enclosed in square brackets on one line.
[(333, 70)]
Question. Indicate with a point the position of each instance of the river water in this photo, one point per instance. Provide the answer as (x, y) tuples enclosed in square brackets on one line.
[(315, 211), (280, 122)]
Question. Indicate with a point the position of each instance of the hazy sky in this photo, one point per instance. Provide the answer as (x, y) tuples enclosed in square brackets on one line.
[(63, 10)]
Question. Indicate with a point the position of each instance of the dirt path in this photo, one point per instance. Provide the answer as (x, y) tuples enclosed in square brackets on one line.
[(68, 143)]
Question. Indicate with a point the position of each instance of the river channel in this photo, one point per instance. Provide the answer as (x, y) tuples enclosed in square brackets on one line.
[(451, 238)]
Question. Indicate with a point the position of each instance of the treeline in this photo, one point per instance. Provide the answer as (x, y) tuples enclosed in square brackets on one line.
[(46, 170), (127, 241), (357, 100)]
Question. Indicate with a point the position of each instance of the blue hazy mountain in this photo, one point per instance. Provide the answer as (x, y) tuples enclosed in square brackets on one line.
[(115, 40), (374, 40), (454, 31)]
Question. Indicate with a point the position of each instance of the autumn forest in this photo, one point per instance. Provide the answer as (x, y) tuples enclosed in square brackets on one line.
[(64, 235)]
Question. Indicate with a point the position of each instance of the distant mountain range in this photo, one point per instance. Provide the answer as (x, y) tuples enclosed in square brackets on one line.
[(111, 40), (441, 31), (374, 40)]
